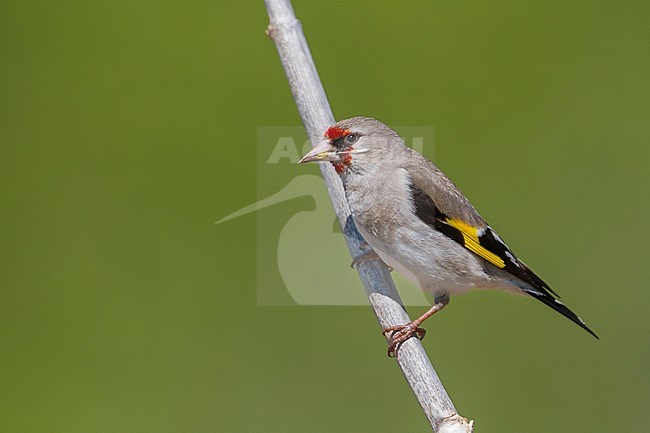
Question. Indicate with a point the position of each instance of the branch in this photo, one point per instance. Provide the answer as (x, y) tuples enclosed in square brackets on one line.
[(308, 92)]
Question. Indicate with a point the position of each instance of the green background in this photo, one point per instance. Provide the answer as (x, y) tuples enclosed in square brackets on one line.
[(128, 128)]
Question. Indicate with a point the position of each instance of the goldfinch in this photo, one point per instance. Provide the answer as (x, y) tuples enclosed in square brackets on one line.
[(419, 223)]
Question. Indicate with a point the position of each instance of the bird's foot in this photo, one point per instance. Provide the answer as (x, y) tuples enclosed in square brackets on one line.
[(400, 333), (364, 257)]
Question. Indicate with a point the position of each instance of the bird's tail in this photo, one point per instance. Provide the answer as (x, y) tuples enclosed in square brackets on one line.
[(558, 306)]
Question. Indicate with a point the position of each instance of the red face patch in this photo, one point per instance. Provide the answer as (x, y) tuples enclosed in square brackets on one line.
[(335, 132), (346, 160)]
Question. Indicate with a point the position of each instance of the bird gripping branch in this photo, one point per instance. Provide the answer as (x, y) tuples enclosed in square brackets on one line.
[(419, 223)]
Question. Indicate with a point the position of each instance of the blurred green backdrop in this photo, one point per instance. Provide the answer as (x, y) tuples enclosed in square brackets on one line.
[(128, 128)]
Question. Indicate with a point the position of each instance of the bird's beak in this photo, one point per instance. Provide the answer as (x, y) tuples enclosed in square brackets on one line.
[(323, 151)]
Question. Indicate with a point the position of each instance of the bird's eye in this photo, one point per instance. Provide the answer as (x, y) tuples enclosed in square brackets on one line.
[(351, 139)]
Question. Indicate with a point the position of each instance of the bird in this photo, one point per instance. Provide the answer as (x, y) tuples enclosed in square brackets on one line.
[(415, 219)]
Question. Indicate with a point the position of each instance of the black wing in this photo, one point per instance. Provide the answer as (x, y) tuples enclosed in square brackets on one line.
[(485, 243)]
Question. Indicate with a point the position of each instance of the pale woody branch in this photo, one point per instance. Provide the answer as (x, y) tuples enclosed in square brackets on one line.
[(286, 32)]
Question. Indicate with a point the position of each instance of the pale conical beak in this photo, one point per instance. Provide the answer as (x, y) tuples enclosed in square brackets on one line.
[(323, 151)]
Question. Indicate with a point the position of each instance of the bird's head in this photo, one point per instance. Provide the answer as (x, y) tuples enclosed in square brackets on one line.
[(357, 142)]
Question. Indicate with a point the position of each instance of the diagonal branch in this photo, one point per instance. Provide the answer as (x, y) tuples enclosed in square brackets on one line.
[(308, 92)]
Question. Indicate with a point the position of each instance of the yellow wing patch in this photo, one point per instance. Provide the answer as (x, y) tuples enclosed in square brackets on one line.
[(472, 243)]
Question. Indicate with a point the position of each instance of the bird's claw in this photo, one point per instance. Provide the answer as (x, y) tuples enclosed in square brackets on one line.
[(399, 334), (364, 257)]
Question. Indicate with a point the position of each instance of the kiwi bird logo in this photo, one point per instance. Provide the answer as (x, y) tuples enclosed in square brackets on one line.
[(297, 253)]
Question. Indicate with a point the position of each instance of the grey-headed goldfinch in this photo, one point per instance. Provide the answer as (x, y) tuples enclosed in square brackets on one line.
[(419, 222)]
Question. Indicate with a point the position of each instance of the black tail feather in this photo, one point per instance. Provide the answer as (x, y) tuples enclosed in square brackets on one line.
[(560, 308)]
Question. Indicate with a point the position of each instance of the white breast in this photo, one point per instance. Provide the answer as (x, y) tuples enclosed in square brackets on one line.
[(385, 217)]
